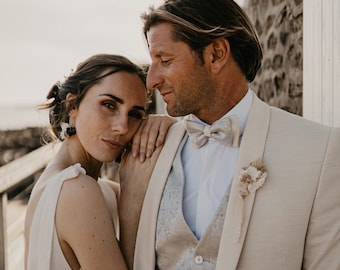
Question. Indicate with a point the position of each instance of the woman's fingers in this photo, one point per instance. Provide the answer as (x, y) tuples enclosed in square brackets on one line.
[(150, 135)]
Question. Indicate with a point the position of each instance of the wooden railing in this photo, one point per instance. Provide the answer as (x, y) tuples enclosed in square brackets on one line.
[(13, 174)]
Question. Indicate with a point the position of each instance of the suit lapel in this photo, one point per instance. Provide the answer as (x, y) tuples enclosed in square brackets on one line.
[(238, 215), (145, 249)]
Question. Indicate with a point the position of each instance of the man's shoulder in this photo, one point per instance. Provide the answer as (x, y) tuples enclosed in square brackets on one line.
[(177, 128), (278, 114)]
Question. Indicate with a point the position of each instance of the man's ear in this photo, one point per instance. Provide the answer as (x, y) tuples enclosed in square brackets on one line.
[(218, 54)]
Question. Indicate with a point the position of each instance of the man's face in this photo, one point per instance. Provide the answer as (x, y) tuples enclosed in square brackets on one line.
[(178, 73)]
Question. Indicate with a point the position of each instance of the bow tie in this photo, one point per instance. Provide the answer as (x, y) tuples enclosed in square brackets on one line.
[(222, 129)]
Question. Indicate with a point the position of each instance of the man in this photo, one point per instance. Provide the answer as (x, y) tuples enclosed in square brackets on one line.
[(260, 190)]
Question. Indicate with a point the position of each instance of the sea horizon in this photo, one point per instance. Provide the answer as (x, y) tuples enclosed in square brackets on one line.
[(14, 117)]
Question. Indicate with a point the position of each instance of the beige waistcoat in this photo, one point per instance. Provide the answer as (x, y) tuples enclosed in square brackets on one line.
[(188, 252)]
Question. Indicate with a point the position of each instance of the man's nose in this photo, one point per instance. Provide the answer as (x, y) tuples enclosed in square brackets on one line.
[(154, 78)]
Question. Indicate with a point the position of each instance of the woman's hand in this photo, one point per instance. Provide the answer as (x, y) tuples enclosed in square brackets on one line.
[(150, 135)]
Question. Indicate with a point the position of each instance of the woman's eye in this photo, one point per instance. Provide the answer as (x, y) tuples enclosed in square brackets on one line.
[(110, 105), (136, 115)]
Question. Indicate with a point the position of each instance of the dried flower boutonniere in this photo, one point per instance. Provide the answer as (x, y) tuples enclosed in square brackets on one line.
[(251, 179)]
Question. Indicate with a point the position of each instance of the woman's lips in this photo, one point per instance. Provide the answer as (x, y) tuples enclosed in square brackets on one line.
[(112, 144)]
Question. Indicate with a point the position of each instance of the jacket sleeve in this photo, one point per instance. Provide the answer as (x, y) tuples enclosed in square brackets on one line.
[(322, 246)]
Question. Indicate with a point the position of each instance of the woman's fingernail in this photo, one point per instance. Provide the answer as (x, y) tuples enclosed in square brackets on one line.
[(141, 157)]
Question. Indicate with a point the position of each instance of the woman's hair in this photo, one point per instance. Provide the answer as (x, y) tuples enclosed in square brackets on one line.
[(88, 73), (200, 22)]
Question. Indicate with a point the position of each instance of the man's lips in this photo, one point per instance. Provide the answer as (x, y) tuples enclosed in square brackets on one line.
[(165, 95)]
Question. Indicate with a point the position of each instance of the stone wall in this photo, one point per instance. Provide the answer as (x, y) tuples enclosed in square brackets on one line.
[(279, 25)]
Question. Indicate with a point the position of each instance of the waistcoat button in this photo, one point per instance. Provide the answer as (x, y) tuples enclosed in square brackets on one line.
[(198, 259)]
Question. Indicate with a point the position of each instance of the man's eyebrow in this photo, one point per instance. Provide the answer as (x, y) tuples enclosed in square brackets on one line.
[(120, 101)]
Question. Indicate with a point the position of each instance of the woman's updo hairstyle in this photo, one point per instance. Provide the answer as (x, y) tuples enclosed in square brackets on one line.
[(87, 74)]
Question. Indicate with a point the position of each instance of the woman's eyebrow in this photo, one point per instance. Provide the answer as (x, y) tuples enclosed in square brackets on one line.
[(120, 101)]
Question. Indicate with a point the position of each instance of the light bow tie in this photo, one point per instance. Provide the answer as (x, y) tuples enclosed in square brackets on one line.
[(199, 133)]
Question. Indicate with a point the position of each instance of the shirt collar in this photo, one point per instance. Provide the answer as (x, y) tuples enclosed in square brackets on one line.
[(240, 110)]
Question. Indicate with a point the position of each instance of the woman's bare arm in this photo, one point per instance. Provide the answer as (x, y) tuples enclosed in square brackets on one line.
[(85, 228)]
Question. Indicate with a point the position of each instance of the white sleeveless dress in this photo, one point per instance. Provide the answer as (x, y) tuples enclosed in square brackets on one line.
[(44, 251)]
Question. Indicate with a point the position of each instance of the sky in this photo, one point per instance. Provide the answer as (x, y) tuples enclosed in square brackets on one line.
[(41, 41)]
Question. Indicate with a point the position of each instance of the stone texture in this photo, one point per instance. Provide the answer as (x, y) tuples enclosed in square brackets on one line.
[(279, 25)]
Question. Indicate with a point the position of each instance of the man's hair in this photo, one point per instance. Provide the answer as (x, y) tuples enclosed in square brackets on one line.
[(200, 22)]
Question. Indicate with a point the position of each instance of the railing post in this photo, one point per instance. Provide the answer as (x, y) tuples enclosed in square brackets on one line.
[(13, 174), (3, 232)]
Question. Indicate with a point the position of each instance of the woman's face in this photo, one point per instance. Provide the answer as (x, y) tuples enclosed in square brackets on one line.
[(110, 114)]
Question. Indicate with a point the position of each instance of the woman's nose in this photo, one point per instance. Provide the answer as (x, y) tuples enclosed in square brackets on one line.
[(120, 124)]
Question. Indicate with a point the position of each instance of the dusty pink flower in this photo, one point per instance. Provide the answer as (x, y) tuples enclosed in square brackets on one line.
[(252, 177)]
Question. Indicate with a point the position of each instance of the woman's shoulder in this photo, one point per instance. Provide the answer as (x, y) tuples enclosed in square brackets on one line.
[(75, 171), (78, 184), (80, 198)]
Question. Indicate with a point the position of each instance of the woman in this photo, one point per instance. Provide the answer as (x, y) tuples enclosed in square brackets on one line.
[(71, 220)]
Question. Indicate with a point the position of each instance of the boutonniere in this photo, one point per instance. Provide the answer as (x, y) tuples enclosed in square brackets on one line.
[(251, 178)]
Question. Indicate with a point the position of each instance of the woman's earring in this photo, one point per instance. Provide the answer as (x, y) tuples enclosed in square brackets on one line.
[(66, 131), (70, 131)]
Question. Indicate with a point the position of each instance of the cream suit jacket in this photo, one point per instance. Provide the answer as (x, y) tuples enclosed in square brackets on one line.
[(292, 221)]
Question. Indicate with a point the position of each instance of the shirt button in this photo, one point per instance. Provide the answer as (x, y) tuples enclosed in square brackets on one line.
[(198, 259)]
